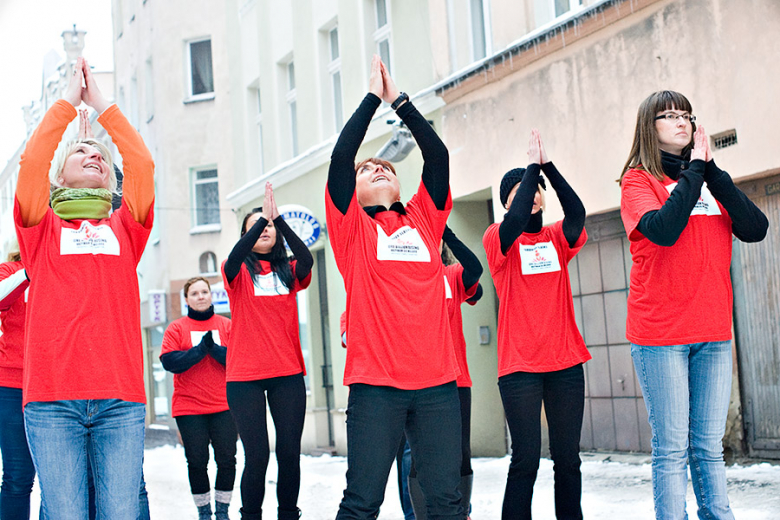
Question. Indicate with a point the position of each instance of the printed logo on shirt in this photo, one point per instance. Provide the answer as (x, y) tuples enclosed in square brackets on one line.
[(405, 245), (539, 258), (89, 239), (197, 335), (269, 284), (706, 205), (447, 289)]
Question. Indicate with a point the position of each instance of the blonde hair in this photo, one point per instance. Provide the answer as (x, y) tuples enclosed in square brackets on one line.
[(68, 151)]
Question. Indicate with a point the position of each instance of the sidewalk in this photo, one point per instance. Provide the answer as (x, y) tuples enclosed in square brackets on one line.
[(615, 486)]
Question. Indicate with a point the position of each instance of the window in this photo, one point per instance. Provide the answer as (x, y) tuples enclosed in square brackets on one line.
[(292, 106), (259, 127), (546, 11), (149, 90), (201, 74), (205, 197), (208, 263), (382, 34), (478, 32), (334, 69)]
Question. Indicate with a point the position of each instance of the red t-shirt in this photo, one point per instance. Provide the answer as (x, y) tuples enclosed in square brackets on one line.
[(537, 331), (455, 295), (83, 328), (397, 325), (264, 338), (679, 294), (12, 333), (199, 390)]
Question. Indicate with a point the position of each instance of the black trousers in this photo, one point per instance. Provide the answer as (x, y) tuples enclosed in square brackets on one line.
[(563, 393), (197, 431), (287, 401)]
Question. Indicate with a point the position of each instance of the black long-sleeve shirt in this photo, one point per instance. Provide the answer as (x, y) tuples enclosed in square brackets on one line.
[(664, 226), (519, 220), (341, 174), (303, 257), (472, 268)]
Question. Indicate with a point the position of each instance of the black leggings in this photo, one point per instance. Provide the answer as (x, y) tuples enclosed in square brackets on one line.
[(464, 394), (287, 402), (196, 433)]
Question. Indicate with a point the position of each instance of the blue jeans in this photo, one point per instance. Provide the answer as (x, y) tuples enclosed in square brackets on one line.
[(377, 416), (563, 393), (18, 469), (67, 438), (687, 390)]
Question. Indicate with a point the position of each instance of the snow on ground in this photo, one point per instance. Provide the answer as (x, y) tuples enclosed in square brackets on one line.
[(615, 486)]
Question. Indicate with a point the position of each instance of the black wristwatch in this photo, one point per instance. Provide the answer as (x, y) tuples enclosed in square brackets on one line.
[(401, 98)]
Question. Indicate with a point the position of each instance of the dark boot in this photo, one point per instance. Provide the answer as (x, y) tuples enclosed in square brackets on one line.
[(295, 514), (221, 511), (466, 482), (418, 499), (250, 516), (204, 512)]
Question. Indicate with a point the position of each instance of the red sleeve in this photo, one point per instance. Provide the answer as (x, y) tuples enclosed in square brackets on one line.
[(422, 206), (342, 228), (637, 197), (563, 244), (299, 285), (172, 338), (491, 241), (226, 328), (13, 283)]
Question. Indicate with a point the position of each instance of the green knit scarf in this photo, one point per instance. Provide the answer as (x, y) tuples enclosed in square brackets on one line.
[(81, 203)]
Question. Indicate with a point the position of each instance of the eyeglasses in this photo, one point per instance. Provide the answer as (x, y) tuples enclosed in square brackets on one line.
[(672, 117)]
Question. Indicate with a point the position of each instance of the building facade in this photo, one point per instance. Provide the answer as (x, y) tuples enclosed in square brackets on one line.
[(232, 94)]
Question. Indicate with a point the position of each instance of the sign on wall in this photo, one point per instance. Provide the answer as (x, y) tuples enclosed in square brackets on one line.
[(302, 221), (157, 311)]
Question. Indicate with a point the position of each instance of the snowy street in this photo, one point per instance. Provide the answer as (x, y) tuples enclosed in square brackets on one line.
[(615, 486)]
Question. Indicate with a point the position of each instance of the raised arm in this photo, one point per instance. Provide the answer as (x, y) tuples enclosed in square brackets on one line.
[(341, 173), (664, 226), (32, 187), (304, 260), (242, 248), (472, 268), (436, 166), (137, 163)]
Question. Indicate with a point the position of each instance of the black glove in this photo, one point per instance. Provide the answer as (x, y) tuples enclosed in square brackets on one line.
[(206, 342)]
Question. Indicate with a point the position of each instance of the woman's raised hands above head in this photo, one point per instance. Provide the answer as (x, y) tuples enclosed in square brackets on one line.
[(270, 211), (375, 83), (91, 95), (73, 91)]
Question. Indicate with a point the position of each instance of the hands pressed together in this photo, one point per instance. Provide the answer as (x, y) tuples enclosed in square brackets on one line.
[(82, 87), (536, 151), (270, 211), (701, 146), (380, 83)]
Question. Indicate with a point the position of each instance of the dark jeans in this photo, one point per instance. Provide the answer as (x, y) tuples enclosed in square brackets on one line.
[(197, 431), (287, 402), (563, 393), (377, 416), (18, 469), (403, 464), (464, 395)]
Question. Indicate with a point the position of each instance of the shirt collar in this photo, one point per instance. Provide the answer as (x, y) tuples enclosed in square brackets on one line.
[(395, 206)]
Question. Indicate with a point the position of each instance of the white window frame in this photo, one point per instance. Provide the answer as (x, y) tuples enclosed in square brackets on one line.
[(194, 182), (334, 68), (259, 124), (384, 34), (486, 32), (149, 89), (191, 98), (547, 8), (292, 105)]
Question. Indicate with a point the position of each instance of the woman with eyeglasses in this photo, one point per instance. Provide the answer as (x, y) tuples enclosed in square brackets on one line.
[(680, 211), (540, 350)]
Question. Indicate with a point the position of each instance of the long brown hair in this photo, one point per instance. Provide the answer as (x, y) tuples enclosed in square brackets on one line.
[(645, 153)]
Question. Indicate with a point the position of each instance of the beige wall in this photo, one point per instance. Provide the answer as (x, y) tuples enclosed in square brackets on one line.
[(583, 96)]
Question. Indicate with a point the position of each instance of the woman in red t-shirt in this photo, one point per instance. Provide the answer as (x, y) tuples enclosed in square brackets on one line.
[(540, 349), (680, 210), (195, 349), (18, 469), (265, 358)]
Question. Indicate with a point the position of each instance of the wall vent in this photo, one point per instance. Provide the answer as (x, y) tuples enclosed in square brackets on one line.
[(724, 139)]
